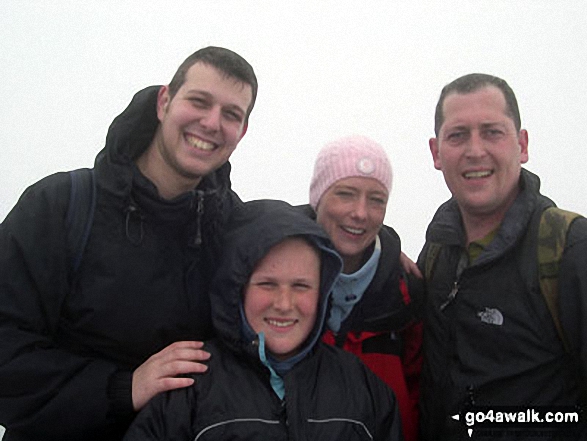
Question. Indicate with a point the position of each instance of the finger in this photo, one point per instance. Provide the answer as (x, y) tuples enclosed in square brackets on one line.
[(174, 383), (186, 344), (181, 368), (416, 271), (188, 355), (190, 350)]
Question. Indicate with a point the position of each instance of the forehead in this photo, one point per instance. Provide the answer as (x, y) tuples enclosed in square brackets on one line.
[(483, 106), (293, 249), (359, 183), (204, 78)]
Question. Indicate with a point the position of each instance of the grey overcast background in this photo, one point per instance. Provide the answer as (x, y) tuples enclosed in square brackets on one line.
[(325, 69)]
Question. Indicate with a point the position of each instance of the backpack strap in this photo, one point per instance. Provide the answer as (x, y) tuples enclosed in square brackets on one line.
[(552, 236), (429, 263), (80, 213)]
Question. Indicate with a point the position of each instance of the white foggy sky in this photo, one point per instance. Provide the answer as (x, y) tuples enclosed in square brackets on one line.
[(325, 69)]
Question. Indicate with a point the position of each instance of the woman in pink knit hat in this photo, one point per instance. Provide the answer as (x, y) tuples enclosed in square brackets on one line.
[(373, 312)]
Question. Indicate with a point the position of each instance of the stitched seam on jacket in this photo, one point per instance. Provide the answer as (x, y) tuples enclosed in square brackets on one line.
[(345, 420), (238, 420)]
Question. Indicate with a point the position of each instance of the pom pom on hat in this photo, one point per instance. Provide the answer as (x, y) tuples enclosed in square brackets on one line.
[(351, 156)]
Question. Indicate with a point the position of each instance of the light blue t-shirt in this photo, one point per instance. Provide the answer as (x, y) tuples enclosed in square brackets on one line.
[(349, 288)]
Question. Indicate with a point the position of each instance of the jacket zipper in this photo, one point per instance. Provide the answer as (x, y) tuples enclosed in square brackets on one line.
[(199, 215), (463, 263), (451, 295)]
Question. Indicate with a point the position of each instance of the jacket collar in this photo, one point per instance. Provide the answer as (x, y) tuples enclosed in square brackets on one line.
[(446, 226)]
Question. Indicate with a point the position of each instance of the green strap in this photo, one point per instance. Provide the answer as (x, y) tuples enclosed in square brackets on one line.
[(431, 254), (552, 235)]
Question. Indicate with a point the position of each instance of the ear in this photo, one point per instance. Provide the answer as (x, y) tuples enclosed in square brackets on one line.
[(162, 102), (433, 143), (523, 143), (244, 130)]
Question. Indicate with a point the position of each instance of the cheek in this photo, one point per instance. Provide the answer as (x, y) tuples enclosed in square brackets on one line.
[(328, 218), (377, 216), (448, 158), (254, 305), (329, 226), (308, 306), (234, 133)]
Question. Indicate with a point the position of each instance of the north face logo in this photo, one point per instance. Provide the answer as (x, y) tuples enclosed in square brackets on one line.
[(491, 316)]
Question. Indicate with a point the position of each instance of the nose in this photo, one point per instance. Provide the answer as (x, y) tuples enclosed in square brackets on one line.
[(476, 145), (360, 208), (211, 120), (284, 299)]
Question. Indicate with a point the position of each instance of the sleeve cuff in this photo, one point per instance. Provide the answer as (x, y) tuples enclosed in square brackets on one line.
[(120, 393)]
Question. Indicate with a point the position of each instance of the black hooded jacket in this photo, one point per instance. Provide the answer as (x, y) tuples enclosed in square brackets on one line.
[(70, 341), (329, 393)]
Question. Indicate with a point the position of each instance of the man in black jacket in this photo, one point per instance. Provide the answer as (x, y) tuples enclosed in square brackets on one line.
[(83, 350), (490, 340)]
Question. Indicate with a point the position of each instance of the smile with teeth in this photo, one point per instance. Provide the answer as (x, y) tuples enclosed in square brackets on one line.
[(280, 323), (199, 144), (353, 230), (478, 174)]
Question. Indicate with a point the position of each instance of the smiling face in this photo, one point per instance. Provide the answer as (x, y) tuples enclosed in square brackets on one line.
[(352, 211), (200, 128), (480, 153), (281, 297)]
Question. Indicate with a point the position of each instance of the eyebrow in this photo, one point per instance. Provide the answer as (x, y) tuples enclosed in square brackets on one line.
[(492, 124), (482, 125), (350, 187)]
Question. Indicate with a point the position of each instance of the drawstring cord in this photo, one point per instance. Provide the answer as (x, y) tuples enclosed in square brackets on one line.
[(133, 211)]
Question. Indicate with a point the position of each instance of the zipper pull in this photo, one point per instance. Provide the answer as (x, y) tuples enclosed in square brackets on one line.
[(199, 213), (451, 296)]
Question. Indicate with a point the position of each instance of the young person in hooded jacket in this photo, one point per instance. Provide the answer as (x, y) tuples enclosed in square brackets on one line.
[(270, 375), (374, 313), (83, 350)]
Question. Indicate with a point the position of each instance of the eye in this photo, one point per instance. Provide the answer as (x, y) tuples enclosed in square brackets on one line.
[(233, 116), (302, 286), (378, 200), (492, 133), (457, 136), (265, 284), (345, 194), (199, 102)]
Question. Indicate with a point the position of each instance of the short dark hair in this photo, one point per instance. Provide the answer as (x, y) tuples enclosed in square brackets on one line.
[(472, 83), (226, 61)]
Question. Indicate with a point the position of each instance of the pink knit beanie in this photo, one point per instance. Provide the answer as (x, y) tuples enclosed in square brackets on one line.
[(351, 156)]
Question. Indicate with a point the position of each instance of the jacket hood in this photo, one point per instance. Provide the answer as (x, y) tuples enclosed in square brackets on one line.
[(253, 229), (203, 210)]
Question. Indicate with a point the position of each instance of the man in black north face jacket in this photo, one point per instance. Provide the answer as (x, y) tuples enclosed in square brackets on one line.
[(489, 339)]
